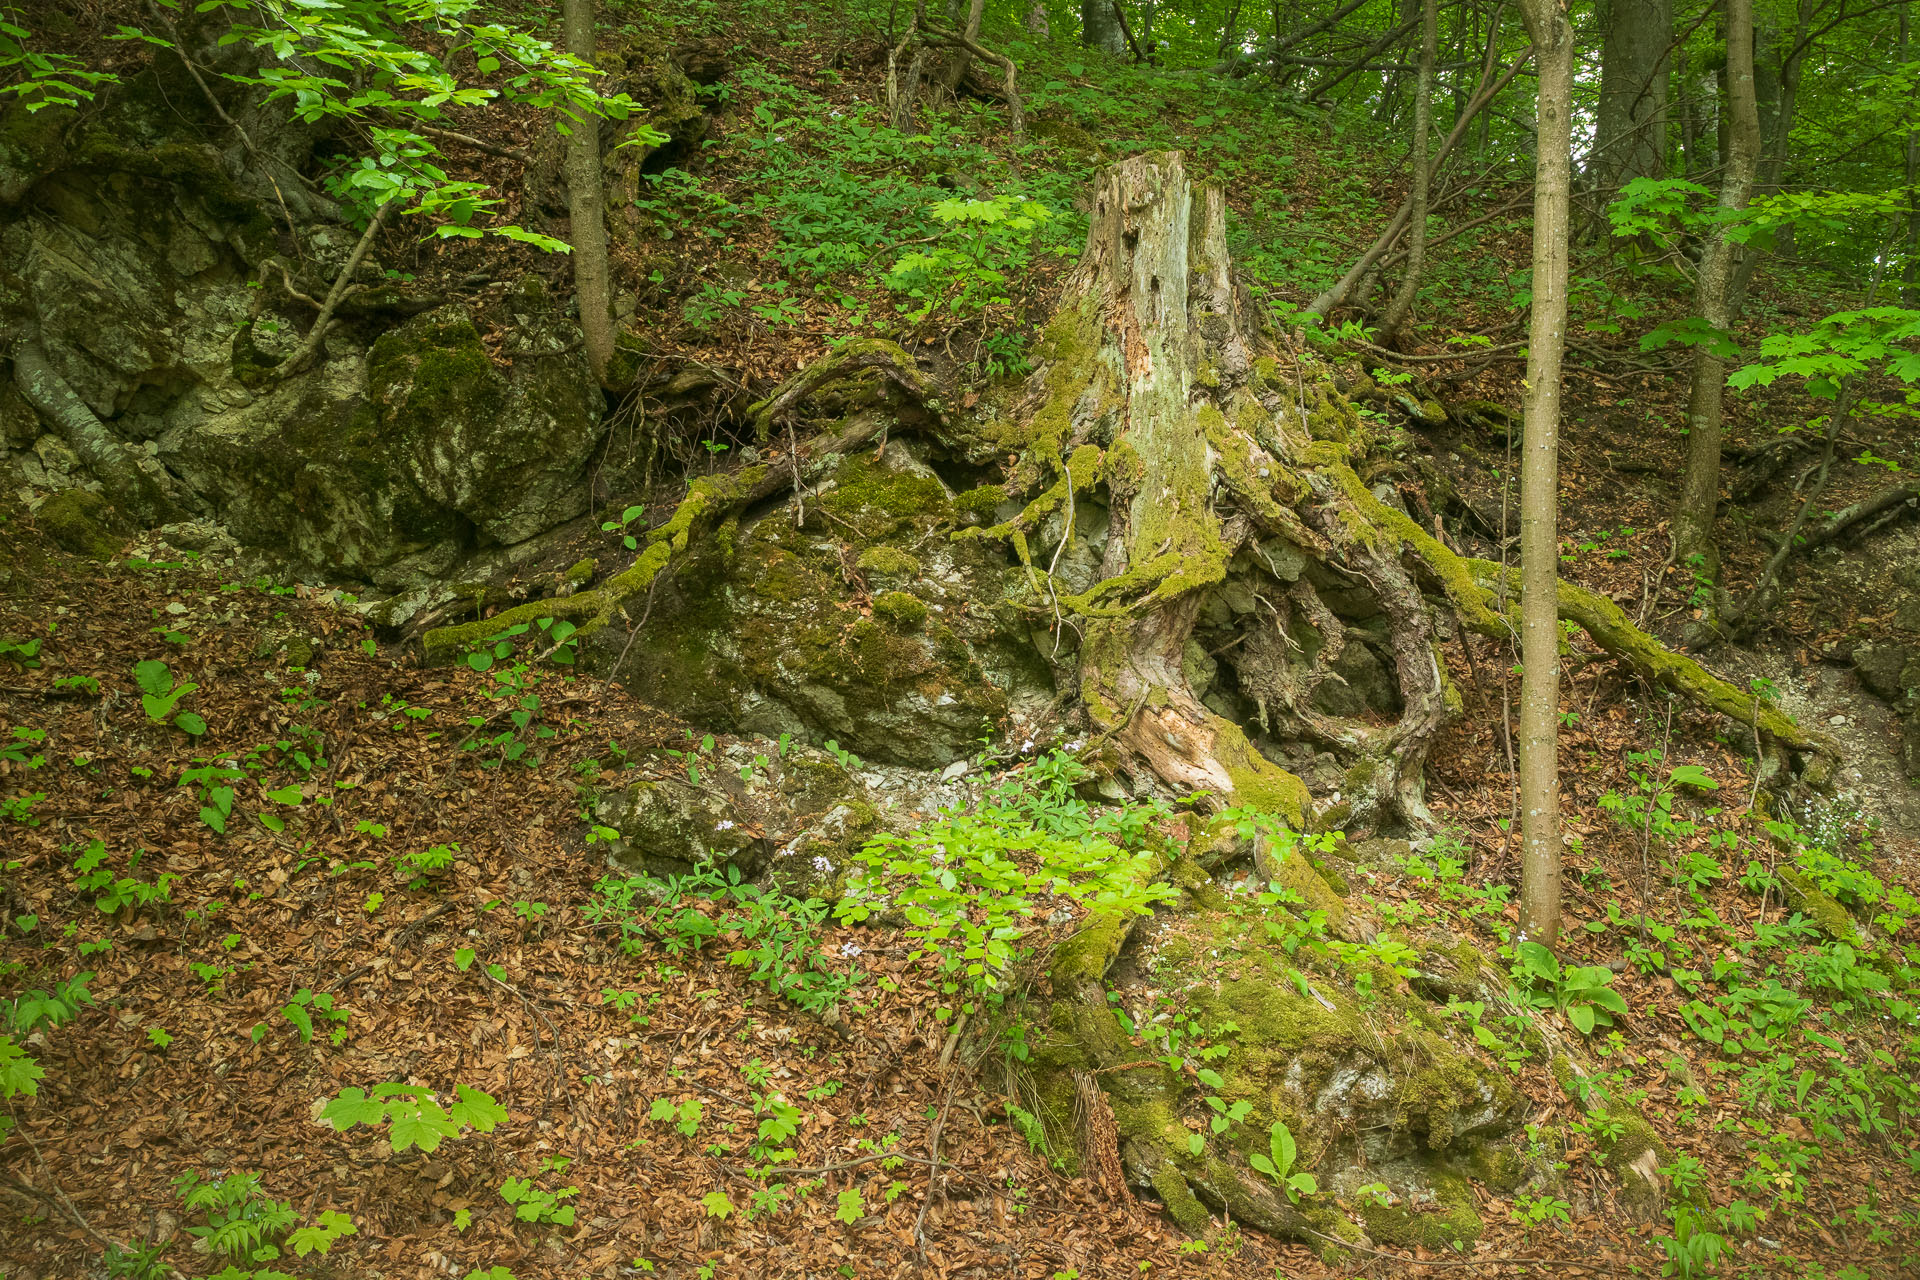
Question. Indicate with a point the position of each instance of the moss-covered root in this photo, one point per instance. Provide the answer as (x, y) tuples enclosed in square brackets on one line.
[(707, 499), (1609, 627), (855, 358)]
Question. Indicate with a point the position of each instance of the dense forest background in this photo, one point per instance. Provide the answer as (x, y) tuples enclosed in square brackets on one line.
[(959, 638)]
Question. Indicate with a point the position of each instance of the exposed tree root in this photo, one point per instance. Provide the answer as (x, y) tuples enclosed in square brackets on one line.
[(128, 487), (711, 499), (1254, 600)]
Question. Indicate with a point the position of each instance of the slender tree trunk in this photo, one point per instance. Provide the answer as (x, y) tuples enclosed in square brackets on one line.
[(1037, 24), (1540, 478), (1422, 174), (1100, 27), (586, 206), (1776, 121), (1713, 291), (1910, 278)]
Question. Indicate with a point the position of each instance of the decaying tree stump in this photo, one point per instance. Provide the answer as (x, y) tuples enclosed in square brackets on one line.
[(1218, 480)]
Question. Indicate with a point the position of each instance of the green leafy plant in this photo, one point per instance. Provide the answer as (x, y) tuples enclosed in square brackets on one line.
[(111, 893), (961, 271), (329, 1230), (160, 696), (1581, 992), (240, 1222), (534, 1204), (623, 526), (300, 1011), (1277, 1163), (684, 1116), (411, 1114), (967, 882), (422, 866)]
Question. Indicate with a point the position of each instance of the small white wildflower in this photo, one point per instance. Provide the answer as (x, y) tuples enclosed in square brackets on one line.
[(779, 137), (1074, 745), (821, 865), (312, 677), (1027, 745), (849, 951), (723, 825)]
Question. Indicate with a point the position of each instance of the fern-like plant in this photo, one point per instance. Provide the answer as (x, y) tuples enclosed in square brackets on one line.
[(240, 1222)]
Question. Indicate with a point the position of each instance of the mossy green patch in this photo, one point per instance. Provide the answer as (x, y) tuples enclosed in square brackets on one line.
[(900, 608), (1449, 1220), (888, 562)]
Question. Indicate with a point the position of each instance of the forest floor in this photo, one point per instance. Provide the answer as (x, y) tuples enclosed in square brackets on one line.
[(637, 1078)]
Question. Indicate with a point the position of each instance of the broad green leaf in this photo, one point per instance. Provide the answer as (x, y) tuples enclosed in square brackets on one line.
[(1692, 775), (425, 1126), (475, 1109), (352, 1107), (153, 677)]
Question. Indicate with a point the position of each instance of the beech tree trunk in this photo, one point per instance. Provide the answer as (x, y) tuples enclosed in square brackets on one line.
[(1100, 27), (1693, 545), (586, 206), (1540, 479), (1630, 129)]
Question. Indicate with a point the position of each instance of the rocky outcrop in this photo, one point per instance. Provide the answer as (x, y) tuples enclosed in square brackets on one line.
[(155, 290), (868, 624)]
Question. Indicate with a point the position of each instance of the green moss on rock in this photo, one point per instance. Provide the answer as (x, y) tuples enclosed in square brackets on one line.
[(1818, 906), (1182, 1205), (1437, 1226), (900, 608), (81, 522)]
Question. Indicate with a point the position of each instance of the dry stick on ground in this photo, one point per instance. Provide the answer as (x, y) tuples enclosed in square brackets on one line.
[(61, 1196), (933, 1151)]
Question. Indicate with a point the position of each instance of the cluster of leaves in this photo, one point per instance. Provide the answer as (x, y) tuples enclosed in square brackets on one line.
[(411, 1114), (970, 884), (778, 933)]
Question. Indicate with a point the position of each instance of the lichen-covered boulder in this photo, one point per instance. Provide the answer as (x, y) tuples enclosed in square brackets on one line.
[(868, 625), (144, 272), (503, 447), (788, 816), (1890, 671)]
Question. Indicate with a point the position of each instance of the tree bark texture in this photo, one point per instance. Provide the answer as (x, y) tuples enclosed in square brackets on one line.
[(586, 206), (1422, 174), (1630, 130), (1100, 27), (1693, 545), (1540, 479)]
